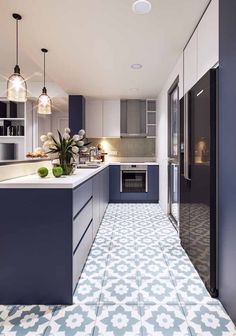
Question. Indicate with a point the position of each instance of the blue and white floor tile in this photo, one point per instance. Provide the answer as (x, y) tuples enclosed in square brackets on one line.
[(163, 320), (88, 291), (94, 268), (76, 320), (27, 320), (208, 320), (121, 268), (157, 291), (4, 313), (127, 253), (182, 269), (137, 281), (192, 291), (118, 320), (153, 269), (149, 253), (120, 291)]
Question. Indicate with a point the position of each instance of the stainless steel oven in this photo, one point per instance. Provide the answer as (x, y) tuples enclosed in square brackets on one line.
[(133, 178)]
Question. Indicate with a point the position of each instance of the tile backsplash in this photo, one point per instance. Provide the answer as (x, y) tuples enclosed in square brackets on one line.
[(127, 147)]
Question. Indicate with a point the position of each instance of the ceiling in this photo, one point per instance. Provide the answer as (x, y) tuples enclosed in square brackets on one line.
[(92, 43)]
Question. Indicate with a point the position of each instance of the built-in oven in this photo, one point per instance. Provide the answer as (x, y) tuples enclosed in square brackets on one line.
[(133, 178)]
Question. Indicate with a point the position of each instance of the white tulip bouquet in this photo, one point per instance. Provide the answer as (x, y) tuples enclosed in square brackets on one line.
[(65, 149)]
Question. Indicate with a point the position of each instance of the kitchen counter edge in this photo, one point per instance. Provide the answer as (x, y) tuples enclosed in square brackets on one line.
[(64, 182)]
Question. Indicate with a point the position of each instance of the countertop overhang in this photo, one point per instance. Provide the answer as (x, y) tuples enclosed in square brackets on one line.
[(64, 182)]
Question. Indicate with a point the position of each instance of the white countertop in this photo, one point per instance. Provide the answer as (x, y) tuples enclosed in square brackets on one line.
[(134, 163), (64, 182)]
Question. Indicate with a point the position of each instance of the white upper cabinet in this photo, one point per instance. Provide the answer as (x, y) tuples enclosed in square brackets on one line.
[(102, 118), (202, 51), (190, 63), (94, 118), (208, 39), (111, 118)]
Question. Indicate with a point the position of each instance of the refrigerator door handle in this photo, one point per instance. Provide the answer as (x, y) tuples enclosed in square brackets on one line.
[(186, 137)]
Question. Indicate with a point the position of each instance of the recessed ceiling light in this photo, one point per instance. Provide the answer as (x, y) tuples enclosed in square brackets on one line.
[(136, 66), (37, 73), (141, 7), (134, 89)]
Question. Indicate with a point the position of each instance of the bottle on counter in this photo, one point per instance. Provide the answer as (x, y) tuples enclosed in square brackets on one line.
[(101, 154)]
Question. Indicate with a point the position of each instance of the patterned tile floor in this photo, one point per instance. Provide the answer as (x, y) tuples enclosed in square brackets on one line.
[(137, 281)]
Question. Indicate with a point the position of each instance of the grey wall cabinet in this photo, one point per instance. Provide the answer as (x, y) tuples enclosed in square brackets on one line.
[(133, 117), (43, 248)]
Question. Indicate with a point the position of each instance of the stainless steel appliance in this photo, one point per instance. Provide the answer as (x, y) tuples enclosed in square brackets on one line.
[(7, 151), (198, 179), (133, 118), (133, 178)]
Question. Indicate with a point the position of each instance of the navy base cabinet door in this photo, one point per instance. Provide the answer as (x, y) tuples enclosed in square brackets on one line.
[(134, 197), (153, 183), (115, 195), (96, 204)]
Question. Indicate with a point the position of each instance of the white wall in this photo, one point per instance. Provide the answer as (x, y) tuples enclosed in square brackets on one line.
[(162, 130), (60, 120)]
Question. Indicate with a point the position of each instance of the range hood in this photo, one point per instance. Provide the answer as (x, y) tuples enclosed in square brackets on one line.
[(133, 118), (133, 135)]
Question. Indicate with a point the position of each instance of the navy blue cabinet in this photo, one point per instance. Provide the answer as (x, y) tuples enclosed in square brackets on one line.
[(115, 183), (36, 246), (134, 197), (104, 191), (43, 249), (153, 183), (96, 203), (76, 113), (153, 187)]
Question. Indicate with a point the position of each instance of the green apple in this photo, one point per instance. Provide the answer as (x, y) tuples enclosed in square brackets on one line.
[(42, 171), (57, 171)]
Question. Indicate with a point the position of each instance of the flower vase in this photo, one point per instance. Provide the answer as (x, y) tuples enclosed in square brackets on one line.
[(67, 166)]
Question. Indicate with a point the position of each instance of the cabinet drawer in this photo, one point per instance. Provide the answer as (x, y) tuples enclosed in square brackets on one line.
[(81, 222), (81, 254), (141, 196), (81, 195)]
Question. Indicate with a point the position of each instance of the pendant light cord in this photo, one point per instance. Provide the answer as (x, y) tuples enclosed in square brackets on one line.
[(44, 69), (17, 41)]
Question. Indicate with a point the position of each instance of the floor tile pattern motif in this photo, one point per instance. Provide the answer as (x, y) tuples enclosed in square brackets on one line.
[(137, 281)]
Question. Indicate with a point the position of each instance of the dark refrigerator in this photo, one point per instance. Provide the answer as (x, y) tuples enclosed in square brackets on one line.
[(198, 187)]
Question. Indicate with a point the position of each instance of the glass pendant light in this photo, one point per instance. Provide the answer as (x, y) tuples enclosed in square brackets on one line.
[(44, 101), (16, 85)]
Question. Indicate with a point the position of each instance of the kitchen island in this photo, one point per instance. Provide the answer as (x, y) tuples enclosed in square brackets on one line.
[(47, 229)]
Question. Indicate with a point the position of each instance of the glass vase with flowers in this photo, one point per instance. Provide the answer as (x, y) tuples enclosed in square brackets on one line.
[(64, 151)]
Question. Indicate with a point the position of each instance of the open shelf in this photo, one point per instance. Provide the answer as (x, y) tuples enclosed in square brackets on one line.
[(20, 119), (11, 136), (151, 109)]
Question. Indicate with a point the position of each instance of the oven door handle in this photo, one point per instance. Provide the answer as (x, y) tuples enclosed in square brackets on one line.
[(121, 181), (146, 186)]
